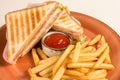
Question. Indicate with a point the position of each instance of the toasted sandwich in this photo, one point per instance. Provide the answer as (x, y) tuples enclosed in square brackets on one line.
[(26, 27), (66, 23)]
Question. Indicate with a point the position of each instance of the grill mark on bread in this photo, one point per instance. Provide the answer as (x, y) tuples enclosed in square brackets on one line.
[(33, 19), (27, 23), (30, 21), (22, 26), (17, 30), (12, 33), (40, 16), (43, 12), (37, 15)]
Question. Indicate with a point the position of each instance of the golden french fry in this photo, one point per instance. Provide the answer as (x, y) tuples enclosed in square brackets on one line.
[(85, 44), (106, 66), (63, 79), (47, 75), (90, 65), (88, 55), (73, 73), (107, 59), (35, 57), (49, 59), (43, 66), (60, 72), (97, 74), (101, 49), (101, 41), (95, 40), (45, 71), (76, 52), (68, 77), (88, 49), (86, 58), (84, 70), (101, 79), (41, 53), (62, 58), (102, 57), (40, 78), (31, 74)]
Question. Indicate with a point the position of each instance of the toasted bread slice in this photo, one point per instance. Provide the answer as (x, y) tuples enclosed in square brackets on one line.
[(26, 27)]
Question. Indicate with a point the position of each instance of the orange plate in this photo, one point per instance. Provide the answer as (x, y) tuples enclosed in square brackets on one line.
[(91, 26)]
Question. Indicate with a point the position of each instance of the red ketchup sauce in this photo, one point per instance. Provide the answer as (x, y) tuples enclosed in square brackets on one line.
[(57, 41)]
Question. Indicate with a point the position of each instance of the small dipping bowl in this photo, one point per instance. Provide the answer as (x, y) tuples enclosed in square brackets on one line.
[(54, 43)]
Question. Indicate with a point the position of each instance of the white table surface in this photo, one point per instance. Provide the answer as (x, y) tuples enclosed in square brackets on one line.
[(107, 11)]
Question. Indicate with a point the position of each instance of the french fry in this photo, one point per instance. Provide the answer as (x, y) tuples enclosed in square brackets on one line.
[(84, 70), (101, 41), (106, 66), (107, 59), (30, 73), (102, 57), (85, 44), (60, 72), (45, 71), (39, 78), (88, 49), (87, 58), (35, 57), (41, 53), (68, 77), (76, 52), (47, 75), (101, 79), (73, 73), (97, 74), (62, 58), (90, 65), (101, 49), (43, 66), (49, 59), (95, 40), (88, 55)]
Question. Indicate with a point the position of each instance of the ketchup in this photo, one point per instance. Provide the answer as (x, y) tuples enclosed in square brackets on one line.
[(57, 40)]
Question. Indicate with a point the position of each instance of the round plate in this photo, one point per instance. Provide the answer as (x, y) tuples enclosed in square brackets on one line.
[(91, 27)]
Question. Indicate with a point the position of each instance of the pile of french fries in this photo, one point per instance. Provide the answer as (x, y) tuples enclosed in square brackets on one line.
[(87, 61)]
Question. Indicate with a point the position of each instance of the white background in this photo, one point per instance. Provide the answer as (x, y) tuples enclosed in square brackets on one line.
[(107, 11)]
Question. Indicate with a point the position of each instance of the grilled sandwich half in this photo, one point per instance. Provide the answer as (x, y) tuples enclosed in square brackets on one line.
[(66, 23), (26, 27)]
